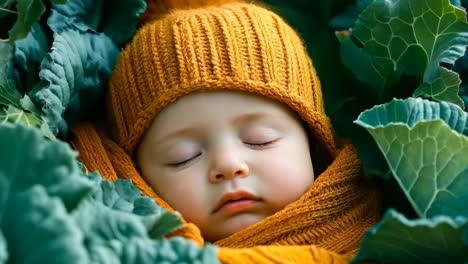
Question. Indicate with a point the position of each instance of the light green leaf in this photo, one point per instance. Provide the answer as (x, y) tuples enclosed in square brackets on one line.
[(443, 88), (113, 235), (18, 116), (3, 248), (410, 111), (187, 252), (412, 36), (8, 95), (29, 12), (37, 226), (27, 159), (107, 224), (399, 240), (430, 163), (117, 20), (72, 76), (28, 105), (123, 196), (173, 250), (456, 3)]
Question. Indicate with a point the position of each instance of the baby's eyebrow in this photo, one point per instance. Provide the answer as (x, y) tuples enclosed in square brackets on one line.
[(179, 132), (249, 117), (236, 121)]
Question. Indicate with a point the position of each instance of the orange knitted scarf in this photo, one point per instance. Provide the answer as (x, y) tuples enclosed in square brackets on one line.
[(333, 214)]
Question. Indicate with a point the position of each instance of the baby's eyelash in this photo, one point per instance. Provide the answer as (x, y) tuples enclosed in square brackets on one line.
[(261, 145), (178, 164)]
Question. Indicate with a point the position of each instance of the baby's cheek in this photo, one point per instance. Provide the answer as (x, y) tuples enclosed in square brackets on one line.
[(287, 182), (189, 197)]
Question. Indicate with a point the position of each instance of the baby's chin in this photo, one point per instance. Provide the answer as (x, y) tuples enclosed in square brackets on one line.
[(230, 226)]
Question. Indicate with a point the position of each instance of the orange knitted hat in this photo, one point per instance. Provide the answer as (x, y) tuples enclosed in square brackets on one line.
[(222, 46)]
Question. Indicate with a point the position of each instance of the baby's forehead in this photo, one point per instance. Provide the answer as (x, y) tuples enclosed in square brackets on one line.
[(221, 105), (211, 111)]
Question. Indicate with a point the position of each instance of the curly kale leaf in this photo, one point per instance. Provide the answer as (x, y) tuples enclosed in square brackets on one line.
[(123, 196), (49, 207), (72, 75), (40, 183)]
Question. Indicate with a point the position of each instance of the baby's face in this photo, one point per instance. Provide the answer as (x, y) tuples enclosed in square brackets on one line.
[(226, 160)]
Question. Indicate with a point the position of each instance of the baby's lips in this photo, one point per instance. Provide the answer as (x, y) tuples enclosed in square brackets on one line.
[(233, 196)]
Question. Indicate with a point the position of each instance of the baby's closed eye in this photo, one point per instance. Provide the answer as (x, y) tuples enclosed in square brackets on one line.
[(181, 153), (260, 136)]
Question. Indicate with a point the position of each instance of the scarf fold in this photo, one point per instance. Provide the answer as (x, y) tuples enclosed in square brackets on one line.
[(333, 214)]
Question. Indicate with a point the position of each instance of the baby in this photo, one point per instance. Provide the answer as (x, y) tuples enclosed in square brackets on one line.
[(215, 111), (229, 168)]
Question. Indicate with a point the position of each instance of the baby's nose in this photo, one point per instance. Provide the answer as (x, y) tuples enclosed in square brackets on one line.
[(228, 167)]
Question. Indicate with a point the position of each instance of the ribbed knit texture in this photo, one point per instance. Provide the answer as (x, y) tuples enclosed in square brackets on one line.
[(280, 254), (235, 46), (333, 214)]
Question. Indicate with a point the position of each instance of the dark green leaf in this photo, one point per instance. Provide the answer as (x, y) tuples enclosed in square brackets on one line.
[(444, 87), (27, 159), (116, 20), (119, 21), (84, 15), (72, 76), (412, 36), (361, 64), (29, 12), (464, 94), (399, 240), (37, 226), (429, 162), (29, 53), (346, 20)]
